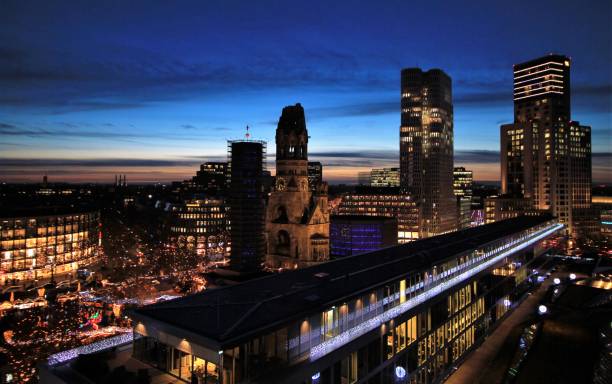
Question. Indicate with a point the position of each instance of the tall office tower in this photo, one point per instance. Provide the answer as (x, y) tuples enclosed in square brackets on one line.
[(385, 177), (462, 182), (543, 153), (297, 220), (246, 202), (315, 174), (426, 147)]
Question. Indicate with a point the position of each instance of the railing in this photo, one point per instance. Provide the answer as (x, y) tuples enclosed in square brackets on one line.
[(111, 342), (432, 289)]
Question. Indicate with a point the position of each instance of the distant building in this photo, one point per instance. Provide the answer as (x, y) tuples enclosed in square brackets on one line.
[(200, 226), (426, 147), (385, 177), (315, 174), (506, 207), (464, 212), (364, 178), (353, 235), (42, 243), (297, 219), (212, 178), (246, 203), (462, 188), (546, 157), (603, 205), (462, 182), (605, 217), (388, 202)]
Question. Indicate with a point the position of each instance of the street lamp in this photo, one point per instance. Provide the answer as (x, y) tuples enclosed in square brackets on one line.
[(542, 309)]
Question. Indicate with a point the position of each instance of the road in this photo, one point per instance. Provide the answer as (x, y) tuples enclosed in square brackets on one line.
[(480, 365)]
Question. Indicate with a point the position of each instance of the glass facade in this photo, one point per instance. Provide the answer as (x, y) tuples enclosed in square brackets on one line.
[(426, 147), (181, 364), (38, 246)]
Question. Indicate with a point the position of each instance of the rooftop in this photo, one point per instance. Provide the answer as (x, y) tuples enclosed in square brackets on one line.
[(231, 314), (361, 218)]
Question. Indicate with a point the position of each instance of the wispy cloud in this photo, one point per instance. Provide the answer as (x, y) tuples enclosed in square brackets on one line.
[(111, 162)]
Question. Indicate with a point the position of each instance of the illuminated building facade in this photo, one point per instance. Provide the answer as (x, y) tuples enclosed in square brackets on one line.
[(297, 219), (462, 188), (41, 244), (352, 235), (200, 226), (462, 182), (403, 314), (498, 208), (212, 178), (426, 147), (246, 202), (315, 174), (387, 202), (385, 177), (603, 204), (464, 212), (545, 156)]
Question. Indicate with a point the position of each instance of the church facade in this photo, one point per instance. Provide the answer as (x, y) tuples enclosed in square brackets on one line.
[(297, 217)]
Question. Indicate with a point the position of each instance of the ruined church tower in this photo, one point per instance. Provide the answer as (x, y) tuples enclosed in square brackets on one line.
[(297, 219)]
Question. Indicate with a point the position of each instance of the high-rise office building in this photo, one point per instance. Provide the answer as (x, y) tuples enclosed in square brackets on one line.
[(545, 157), (426, 147), (246, 202), (385, 177), (297, 220), (315, 174)]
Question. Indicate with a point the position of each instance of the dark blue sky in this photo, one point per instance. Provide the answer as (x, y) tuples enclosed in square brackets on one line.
[(151, 89)]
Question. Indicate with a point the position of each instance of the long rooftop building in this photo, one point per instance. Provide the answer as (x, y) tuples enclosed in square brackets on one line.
[(404, 314)]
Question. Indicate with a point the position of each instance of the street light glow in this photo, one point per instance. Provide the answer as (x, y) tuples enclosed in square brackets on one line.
[(542, 309)]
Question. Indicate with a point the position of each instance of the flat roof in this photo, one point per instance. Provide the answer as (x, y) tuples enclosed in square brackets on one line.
[(361, 218), (234, 313)]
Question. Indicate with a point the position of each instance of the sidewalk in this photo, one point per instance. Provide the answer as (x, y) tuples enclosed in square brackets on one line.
[(479, 362)]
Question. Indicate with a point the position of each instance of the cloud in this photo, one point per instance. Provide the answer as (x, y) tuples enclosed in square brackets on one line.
[(364, 109), (382, 154), (42, 162), (476, 156), (116, 133)]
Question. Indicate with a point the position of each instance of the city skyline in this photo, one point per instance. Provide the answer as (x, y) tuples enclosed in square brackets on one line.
[(152, 92)]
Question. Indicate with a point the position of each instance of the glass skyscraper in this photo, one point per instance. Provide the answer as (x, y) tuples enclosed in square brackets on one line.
[(426, 147)]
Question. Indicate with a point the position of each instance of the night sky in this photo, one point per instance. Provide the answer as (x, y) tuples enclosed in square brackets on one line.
[(152, 89)]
